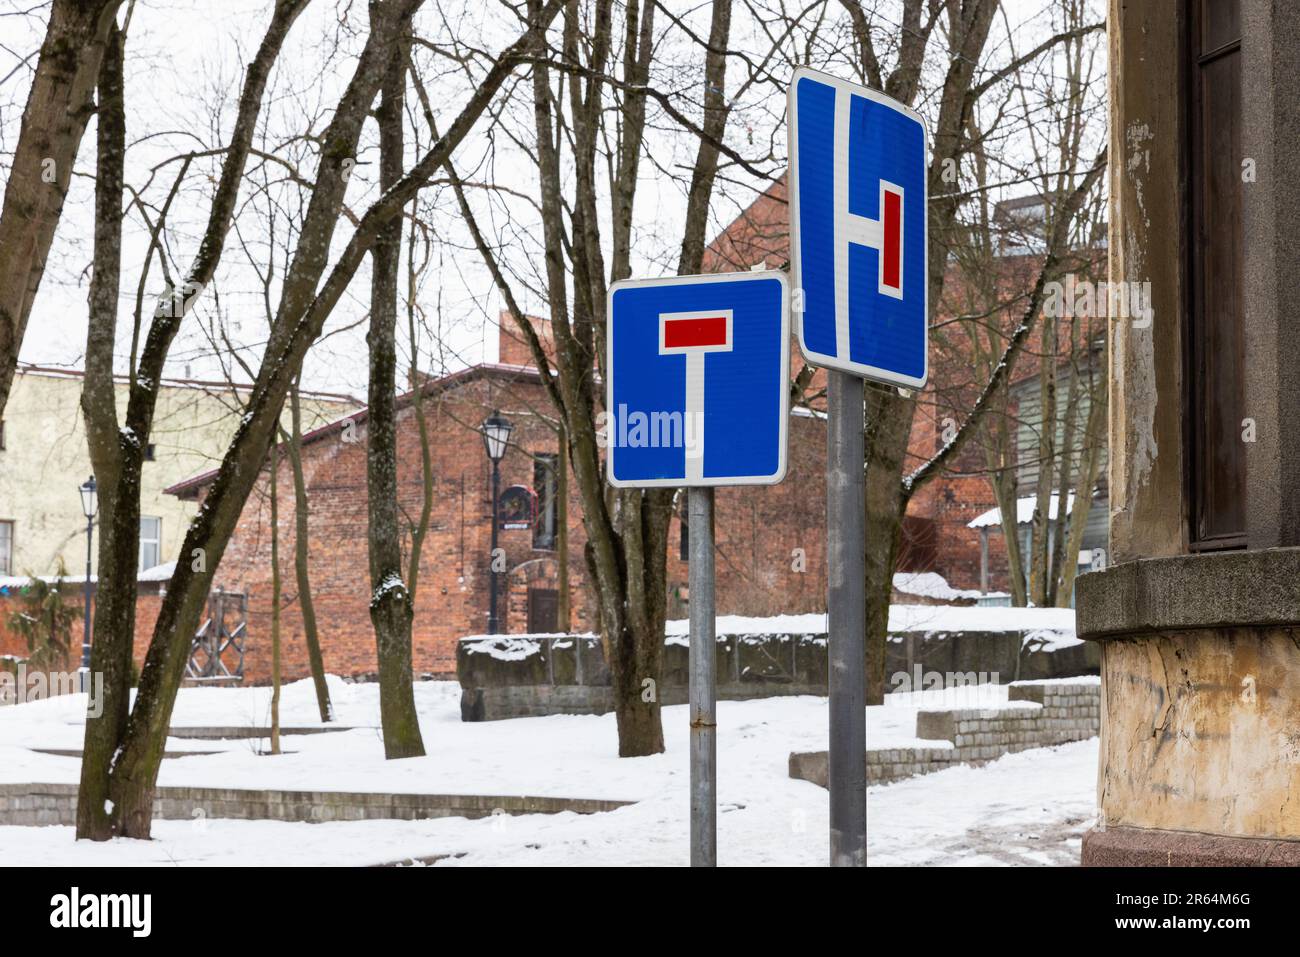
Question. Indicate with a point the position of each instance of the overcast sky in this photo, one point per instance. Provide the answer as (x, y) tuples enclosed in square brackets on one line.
[(184, 68)]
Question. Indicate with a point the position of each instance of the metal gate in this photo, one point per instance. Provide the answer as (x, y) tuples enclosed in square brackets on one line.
[(217, 651)]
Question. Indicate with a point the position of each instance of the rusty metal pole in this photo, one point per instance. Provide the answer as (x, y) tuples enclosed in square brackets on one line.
[(703, 683), (846, 577)]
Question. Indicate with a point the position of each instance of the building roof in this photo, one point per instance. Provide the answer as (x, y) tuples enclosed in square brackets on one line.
[(1024, 512), (206, 385), (190, 487)]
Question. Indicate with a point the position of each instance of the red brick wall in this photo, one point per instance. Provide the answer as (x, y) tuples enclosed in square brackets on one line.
[(452, 591), (146, 614), (758, 532)]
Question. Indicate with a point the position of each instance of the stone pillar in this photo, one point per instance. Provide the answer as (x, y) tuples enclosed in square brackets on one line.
[(1146, 430), (1200, 741), (1270, 143)]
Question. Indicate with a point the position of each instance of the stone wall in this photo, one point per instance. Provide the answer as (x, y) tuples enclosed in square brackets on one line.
[(532, 675), (1036, 715), (56, 804)]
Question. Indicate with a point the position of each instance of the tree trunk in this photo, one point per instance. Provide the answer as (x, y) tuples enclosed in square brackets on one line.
[(635, 675), (1039, 544), (391, 610), (1094, 442), (116, 464), (1007, 490), (275, 600), (564, 616), (889, 418), (58, 107), (633, 633), (301, 542)]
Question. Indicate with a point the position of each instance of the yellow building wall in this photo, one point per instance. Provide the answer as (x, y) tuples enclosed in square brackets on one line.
[(45, 460)]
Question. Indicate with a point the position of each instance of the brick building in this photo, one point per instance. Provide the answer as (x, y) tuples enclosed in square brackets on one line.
[(771, 546), (770, 540)]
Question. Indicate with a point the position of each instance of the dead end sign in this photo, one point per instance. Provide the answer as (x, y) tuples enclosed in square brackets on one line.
[(698, 384)]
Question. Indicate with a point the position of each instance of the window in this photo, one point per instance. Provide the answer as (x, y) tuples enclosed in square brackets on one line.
[(6, 548), (545, 482), (150, 452), (684, 542), (1215, 403), (150, 541)]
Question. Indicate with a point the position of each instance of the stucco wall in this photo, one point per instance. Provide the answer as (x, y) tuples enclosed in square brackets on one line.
[(1199, 732), (45, 460)]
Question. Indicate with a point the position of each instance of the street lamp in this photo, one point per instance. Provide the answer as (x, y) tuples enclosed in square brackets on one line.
[(496, 433), (89, 506)]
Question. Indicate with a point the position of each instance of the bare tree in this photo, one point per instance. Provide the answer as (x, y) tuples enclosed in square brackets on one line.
[(118, 450), (391, 606), (59, 104), (305, 304), (301, 563), (626, 529), (889, 413)]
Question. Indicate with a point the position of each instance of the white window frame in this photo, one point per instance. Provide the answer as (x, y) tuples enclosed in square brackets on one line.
[(7, 548), (155, 540)]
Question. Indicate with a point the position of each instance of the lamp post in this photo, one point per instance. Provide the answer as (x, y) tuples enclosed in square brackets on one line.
[(496, 433), (89, 506)]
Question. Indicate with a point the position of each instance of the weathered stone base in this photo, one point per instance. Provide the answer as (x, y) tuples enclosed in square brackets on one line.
[(1150, 847), (1200, 693)]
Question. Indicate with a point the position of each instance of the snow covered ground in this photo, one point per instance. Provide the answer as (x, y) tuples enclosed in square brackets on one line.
[(1028, 808)]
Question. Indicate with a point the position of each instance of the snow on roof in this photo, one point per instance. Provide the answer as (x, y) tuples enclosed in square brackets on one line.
[(1024, 512), (159, 573)]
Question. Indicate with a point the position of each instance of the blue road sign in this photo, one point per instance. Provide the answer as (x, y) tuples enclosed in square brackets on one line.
[(858, 229), (698, 389)]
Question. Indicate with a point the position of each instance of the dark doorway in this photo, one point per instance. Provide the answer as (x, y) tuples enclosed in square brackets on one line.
[(1216, 455), (543, 611)]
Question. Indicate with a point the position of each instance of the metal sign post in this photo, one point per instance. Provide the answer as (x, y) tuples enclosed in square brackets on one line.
[(846, 619), (703, 683), (859, 256), (698, 395)]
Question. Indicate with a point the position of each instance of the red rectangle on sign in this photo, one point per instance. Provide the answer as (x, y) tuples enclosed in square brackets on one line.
[(893, 228), (685, 333)]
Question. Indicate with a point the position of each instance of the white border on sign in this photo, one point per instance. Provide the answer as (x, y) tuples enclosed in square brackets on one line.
[(784, 439), (667, 317), (873, 373)]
